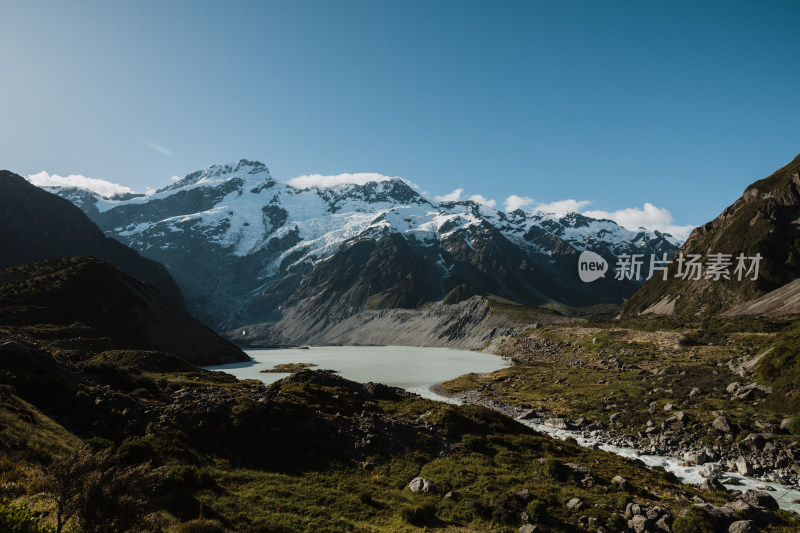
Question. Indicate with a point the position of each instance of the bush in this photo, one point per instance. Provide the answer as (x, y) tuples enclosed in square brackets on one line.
[(695, 521), (537, 511), (99, 443), (20, 519), (135, 451), (201, 525), (553, 468), (616, 522), (365, 497), (794, 426), (189, 476), (623, 500), (506, 509), (418, 515), (479, 509)]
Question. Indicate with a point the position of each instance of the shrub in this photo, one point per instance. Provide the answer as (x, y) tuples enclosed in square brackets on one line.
[(99, 443), (695, 521), (537, 511), (135, 451), (201, 525), (553, 468), (418, 515), (505, 509), (616, 522), (189, 476), (20, 519), (794, 426)]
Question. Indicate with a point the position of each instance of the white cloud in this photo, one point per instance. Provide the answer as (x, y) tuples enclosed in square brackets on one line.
[(451, 197), (649, 217), (175, 178), (318, 180), (101, 187), (514, 202), (480, 199), (562, 207)]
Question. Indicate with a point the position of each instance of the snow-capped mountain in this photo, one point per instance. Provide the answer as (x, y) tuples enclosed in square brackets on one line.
[(247, 249)]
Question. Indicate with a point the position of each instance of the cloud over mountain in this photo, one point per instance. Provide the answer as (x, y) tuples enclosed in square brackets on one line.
[(95, 185)]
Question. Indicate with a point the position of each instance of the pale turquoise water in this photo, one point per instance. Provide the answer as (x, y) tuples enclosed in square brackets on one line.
[(412, 368)]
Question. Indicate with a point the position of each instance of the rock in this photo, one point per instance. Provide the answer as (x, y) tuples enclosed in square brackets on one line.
[(694, 393), (525, 495), (528, 528), (557, 423), (742, 509), (668, 407), (632, 509), (697, 457), (575, 504), (743, 526), (760, 498), (721, 424), (621, 483), (721, 516), (712, 484), (613, 418), (733, 387), (639, 524), (420, 484), (785, 423), (665, 523), (678, 421), (743, 466)]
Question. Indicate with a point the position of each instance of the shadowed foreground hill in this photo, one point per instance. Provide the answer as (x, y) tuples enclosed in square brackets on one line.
[(36, 225), (81, 304), (763, 221)]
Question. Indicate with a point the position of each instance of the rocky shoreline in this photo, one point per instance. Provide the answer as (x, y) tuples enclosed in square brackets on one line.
[(759, 455)]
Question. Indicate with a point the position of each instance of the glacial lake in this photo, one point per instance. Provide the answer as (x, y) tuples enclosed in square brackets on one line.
[(418, 369), (411, 368)]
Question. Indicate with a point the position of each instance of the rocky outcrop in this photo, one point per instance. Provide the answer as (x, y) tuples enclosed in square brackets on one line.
[(763, 221)]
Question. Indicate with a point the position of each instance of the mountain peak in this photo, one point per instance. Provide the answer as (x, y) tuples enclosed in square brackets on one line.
[(217, 173)]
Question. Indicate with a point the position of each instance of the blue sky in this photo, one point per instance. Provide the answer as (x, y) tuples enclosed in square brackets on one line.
[(677, 104)]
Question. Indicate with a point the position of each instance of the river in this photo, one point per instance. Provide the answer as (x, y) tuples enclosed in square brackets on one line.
[(418, 369)]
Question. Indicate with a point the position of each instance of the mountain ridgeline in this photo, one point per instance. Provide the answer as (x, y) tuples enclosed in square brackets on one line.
[(246, 249), (37, 225), (765, 221)]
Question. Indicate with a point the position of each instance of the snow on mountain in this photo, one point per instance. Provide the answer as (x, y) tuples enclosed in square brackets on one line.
[(229, 233)]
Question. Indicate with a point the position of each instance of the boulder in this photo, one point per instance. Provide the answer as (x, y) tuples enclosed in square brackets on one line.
[(721, 424), (639, 524), (743, 466), (525, 495), (420, 484), (557, 423), (712, 484), (733, 387), (575, 504), (759, 498), (697, 457), (528, 528), (743, 526), (621, 483)]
